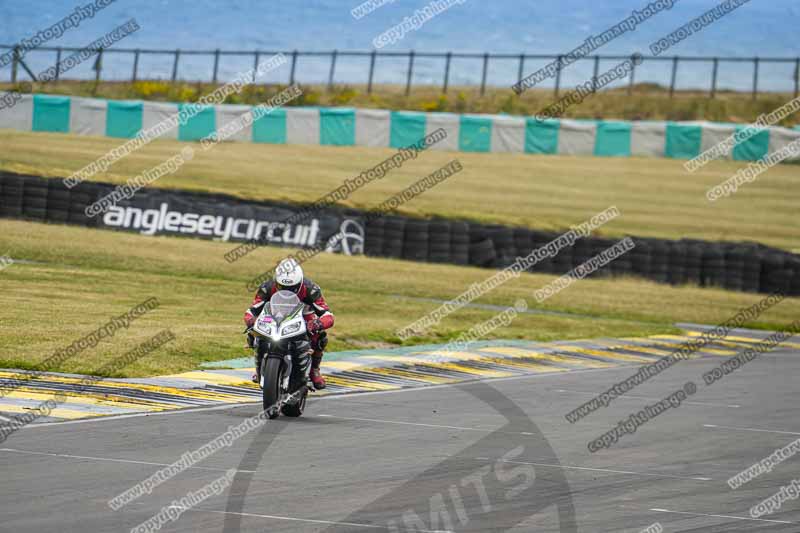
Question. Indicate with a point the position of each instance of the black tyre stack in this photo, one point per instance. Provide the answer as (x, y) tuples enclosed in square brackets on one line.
[(563, 261), (641, 258), (58, 201), (596, 246), (417, 240), (772, 264), (751, 274), (522, 242), (694, 262), (481, 248), (793, 266), (677, 263), (502, 238), (34, 198), (11, 193), (393, 237), (780, 280), (601, 248), (374, 236), (440, 247), (539, 239), (734, 267), (581, 252), (713, 266), (83, 195), (482, 253), (623, 264), (659, 261), (459, 243)]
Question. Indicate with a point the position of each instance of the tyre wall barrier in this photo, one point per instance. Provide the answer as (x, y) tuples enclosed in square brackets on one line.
[(740, 266), (154, 211)]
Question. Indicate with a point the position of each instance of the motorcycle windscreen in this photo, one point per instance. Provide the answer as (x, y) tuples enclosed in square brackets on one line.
[(284, 304)]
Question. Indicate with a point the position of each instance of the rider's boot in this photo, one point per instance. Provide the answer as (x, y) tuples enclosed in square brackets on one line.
[(257, 376), (314, 373)]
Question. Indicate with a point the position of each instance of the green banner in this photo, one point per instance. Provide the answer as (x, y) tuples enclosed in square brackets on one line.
[(613, 139), (683, 141), (51, 113), (475, 134), (337, 127), (124, 119), (406, 128), (541, 137), (271, 128)]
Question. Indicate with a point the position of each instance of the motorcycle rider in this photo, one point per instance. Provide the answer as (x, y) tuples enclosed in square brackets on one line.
[(289, 277)]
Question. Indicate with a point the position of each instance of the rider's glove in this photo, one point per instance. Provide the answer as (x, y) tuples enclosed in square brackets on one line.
[(315, 326), (249, 319)]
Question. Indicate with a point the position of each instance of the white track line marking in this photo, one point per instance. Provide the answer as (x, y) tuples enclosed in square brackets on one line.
[(112, 460), (346, 396), (570, 467), (633, 397), (723, 516), (401, 423), (751, 429), (188, 410), (310, 521)]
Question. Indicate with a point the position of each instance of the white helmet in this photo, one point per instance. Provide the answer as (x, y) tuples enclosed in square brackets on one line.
[(289, 274)]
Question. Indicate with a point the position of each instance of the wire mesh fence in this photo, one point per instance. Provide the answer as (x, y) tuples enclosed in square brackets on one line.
[(407, 67)]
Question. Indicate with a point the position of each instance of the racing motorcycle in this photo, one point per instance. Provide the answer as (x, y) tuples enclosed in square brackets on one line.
[(282, 343)]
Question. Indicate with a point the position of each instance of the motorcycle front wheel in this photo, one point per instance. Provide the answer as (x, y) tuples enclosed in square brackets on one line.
[(272, 371), (296, 409)]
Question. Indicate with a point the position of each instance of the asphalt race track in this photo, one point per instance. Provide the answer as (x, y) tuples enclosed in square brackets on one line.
[(492, 455)]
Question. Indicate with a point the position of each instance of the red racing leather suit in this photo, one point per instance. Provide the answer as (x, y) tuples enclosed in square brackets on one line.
[(316, 313)]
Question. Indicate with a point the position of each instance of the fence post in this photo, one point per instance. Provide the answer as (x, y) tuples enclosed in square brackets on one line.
[(371, 71), (58, 63), (521, 68), (755, 77), (256, 58), (14, 64), (558, 76), (410, 72), (596, 73), (797, 77), (632, 79), (98, 66), (333, 69), (294, 66), (714, 78), (674, 76), (175, 66), (448, 56), (135, 64), (216, 65), (483, 75)]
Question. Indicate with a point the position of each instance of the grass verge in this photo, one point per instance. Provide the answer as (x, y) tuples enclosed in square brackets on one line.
[(77, 278)]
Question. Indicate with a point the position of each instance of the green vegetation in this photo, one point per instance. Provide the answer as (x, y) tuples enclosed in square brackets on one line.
[(74, 279), (657, 197), (647, 102)]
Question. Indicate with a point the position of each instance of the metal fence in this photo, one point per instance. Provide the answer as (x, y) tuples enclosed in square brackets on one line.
[(371, 57)]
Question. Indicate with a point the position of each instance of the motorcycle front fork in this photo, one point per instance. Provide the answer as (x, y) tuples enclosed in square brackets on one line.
[(305, 366)]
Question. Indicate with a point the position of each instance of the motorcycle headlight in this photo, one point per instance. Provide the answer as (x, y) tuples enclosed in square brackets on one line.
[(291, 328)]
